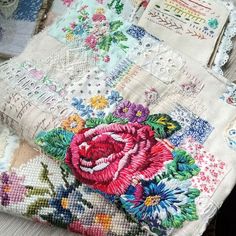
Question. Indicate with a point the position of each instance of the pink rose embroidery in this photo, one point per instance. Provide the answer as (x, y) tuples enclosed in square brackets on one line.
[(109, 157), (91, 41), (98, 17)]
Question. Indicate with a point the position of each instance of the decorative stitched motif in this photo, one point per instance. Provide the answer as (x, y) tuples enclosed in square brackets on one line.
[(98, 105), (230, 95), (44, 192), (192, 126), (125, 157), (230, 135), (212, 170), (97, 31)]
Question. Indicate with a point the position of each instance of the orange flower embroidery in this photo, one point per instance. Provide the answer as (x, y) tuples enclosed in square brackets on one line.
[(73, 123)]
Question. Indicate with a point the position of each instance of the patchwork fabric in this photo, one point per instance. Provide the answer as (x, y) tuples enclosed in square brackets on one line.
[(212, 170), (136, 146), (193, 126)]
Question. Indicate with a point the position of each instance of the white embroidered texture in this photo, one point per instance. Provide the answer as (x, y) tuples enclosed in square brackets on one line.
[(158, 59)]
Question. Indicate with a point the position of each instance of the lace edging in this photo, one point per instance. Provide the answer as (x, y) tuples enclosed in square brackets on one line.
[(226, 44)]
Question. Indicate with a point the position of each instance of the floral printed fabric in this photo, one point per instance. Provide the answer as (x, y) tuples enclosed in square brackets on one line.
[(192, 126), (212, 170)]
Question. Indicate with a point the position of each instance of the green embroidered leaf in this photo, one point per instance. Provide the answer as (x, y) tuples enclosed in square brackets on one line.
[(113, 119), (123, 47), (105, 43), (87, 203), (56, 221), (115, 25), (37, 191), (183, 166), (188, 212), (36, 206), (43, 176), (55, 142), (118, 5), (94, 122), (163, 125), (119, 36)]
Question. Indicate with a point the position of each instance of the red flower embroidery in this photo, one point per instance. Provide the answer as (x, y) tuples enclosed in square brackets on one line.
[(91, 41), (109, 157)]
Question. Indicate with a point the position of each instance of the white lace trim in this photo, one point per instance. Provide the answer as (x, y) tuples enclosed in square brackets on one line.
[(226, 44)]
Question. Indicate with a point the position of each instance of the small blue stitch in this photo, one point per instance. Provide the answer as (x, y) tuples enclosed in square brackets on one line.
[(114, 97)]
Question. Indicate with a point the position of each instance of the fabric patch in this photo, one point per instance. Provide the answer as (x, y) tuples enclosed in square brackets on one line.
[(27, 10), (91, 97), (192, 126), (156, 59), (230, 135), (102, 33), (43, 191), (212, 170), (230, 95), (186, 25)]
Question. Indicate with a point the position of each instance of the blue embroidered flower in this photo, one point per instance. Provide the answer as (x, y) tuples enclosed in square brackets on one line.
[(87, 111), (65, 205), (136, 32), (166, 202), (199, 130), (114, 97), (213, 23), (101, 114), (78, 30), (78, 104)]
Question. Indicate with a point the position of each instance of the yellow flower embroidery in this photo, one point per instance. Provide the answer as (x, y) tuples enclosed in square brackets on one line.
[(98, 102), (100, 10), (73, 123), (70, 37)]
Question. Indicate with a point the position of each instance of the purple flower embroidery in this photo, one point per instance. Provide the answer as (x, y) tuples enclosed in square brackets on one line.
[(140, 113), (11, 188), (123, 110), (131, 111)]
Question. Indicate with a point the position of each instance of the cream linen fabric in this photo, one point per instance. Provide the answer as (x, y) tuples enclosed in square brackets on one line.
[(192, 27)]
